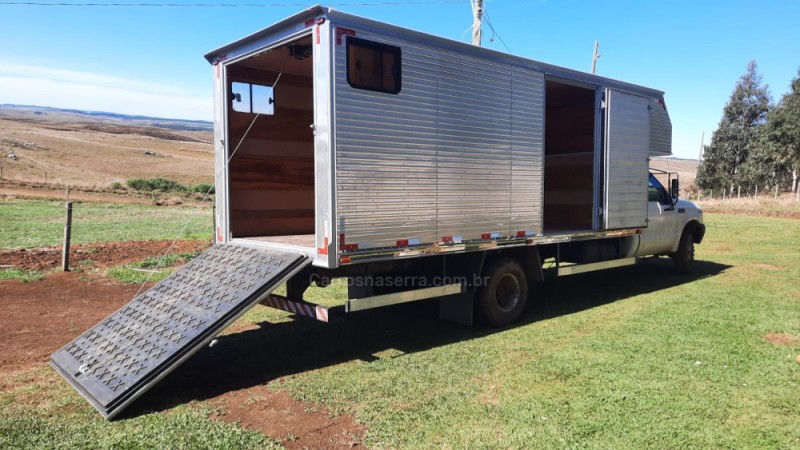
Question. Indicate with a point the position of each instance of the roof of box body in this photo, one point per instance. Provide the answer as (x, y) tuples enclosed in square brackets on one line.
[(343, 19)]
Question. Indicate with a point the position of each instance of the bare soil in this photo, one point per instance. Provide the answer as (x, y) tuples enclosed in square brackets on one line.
[(782, 339), (99, 256), (42, 316), (295, 423)]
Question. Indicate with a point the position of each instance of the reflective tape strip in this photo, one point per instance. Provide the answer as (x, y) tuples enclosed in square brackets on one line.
[(300, 308)]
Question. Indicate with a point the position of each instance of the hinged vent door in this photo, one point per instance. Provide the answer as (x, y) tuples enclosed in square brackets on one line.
[(626, 168)]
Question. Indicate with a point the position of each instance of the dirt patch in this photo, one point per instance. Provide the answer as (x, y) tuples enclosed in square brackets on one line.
[(40, 317), (94, 255), (295, 423), (782, 339)]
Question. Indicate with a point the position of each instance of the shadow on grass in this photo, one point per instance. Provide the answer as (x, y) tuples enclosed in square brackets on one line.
[(258, 356)]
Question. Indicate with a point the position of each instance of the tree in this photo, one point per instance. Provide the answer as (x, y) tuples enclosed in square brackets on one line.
[(780, 137), (737, 135)]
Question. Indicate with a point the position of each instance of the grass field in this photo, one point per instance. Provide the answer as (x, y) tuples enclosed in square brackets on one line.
[(636, 357), (39, 223)]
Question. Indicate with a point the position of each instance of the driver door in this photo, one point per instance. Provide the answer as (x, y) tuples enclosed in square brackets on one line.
[(659, 236)]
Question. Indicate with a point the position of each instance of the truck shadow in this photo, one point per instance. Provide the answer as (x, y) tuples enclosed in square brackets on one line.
[(273, 350)]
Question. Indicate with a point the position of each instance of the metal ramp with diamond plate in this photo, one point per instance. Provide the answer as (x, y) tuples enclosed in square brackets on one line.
[(123, 356)]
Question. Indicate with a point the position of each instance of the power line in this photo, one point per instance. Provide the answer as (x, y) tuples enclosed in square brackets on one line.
[(229, 5), (495, 33)]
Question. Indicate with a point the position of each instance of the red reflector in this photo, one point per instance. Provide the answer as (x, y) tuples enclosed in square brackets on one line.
[(486, 236), (309, 22), (341, 240), (320, 21), (402, 243), (447, 238), (343, 31), (520, 233), (350, 247)]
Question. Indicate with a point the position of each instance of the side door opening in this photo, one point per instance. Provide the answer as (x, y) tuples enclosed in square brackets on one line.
[(569, 157)]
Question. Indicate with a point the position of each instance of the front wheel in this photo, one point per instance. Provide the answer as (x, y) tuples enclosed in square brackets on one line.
[(503, 298), (684, 257)]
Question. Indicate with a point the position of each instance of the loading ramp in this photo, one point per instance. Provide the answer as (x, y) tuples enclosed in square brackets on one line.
[(129, 352)]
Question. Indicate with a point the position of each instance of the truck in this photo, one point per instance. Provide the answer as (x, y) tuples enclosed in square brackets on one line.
[(412, 166)]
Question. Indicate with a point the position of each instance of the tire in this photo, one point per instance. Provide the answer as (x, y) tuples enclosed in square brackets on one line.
[(684, 257), (503, 298)]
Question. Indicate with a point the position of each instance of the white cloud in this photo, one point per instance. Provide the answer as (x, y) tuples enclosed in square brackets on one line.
[(44, 86)]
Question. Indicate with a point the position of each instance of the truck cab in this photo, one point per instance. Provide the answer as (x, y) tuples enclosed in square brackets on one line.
[(674, 225)]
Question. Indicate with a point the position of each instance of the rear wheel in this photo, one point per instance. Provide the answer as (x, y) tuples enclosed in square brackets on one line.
[(503, 298), (684, 257)]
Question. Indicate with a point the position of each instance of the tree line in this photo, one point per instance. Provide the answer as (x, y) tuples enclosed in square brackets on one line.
[(757, 143)]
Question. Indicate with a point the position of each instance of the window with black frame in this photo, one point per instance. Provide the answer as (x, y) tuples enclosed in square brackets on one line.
[(656, 192), (373, 66)]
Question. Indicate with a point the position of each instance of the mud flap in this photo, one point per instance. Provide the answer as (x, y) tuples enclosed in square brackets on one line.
[(129, 352)]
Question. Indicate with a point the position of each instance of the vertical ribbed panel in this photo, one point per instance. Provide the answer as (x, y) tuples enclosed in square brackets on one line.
[(436, 160), (527, 133), (386, 153), (474, 147), (660, 130), (626, 161)]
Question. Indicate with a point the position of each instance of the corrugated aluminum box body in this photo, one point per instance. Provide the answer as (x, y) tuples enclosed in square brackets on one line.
[(457, 155)]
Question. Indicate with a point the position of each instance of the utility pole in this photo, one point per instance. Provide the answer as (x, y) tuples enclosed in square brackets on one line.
[(702, 139), (596, 55), (477, 14)]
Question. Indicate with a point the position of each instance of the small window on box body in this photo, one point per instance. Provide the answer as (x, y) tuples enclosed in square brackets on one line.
[(373, 66)]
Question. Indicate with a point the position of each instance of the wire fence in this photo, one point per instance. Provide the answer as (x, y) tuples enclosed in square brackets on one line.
[(40, 223), (738, 193)]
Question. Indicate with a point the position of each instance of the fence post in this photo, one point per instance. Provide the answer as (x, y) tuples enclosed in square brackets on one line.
[(776, 191), (756, 196), (67, 235)]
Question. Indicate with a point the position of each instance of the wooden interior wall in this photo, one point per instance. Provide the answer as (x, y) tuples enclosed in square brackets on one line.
[(272, 172), (569, 157)]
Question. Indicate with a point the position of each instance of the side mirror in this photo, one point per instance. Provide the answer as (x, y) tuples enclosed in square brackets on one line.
[(675, 188)]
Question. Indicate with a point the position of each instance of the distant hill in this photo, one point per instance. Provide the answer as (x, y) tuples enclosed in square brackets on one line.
[(160, 122), (53, 147)]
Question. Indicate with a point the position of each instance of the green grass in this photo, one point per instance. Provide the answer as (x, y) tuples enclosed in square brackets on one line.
[(635, 357), (154, 268), (632, 358), (40, 411), (38, 223), (25, 276)]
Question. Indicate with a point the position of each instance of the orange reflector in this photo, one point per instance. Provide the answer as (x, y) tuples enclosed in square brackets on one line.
[(345, 259)]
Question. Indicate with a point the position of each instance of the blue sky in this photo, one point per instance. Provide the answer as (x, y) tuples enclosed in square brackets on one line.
[(149, 60)]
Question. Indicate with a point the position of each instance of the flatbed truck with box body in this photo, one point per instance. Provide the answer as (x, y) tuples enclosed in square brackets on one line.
[(415, 167)]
